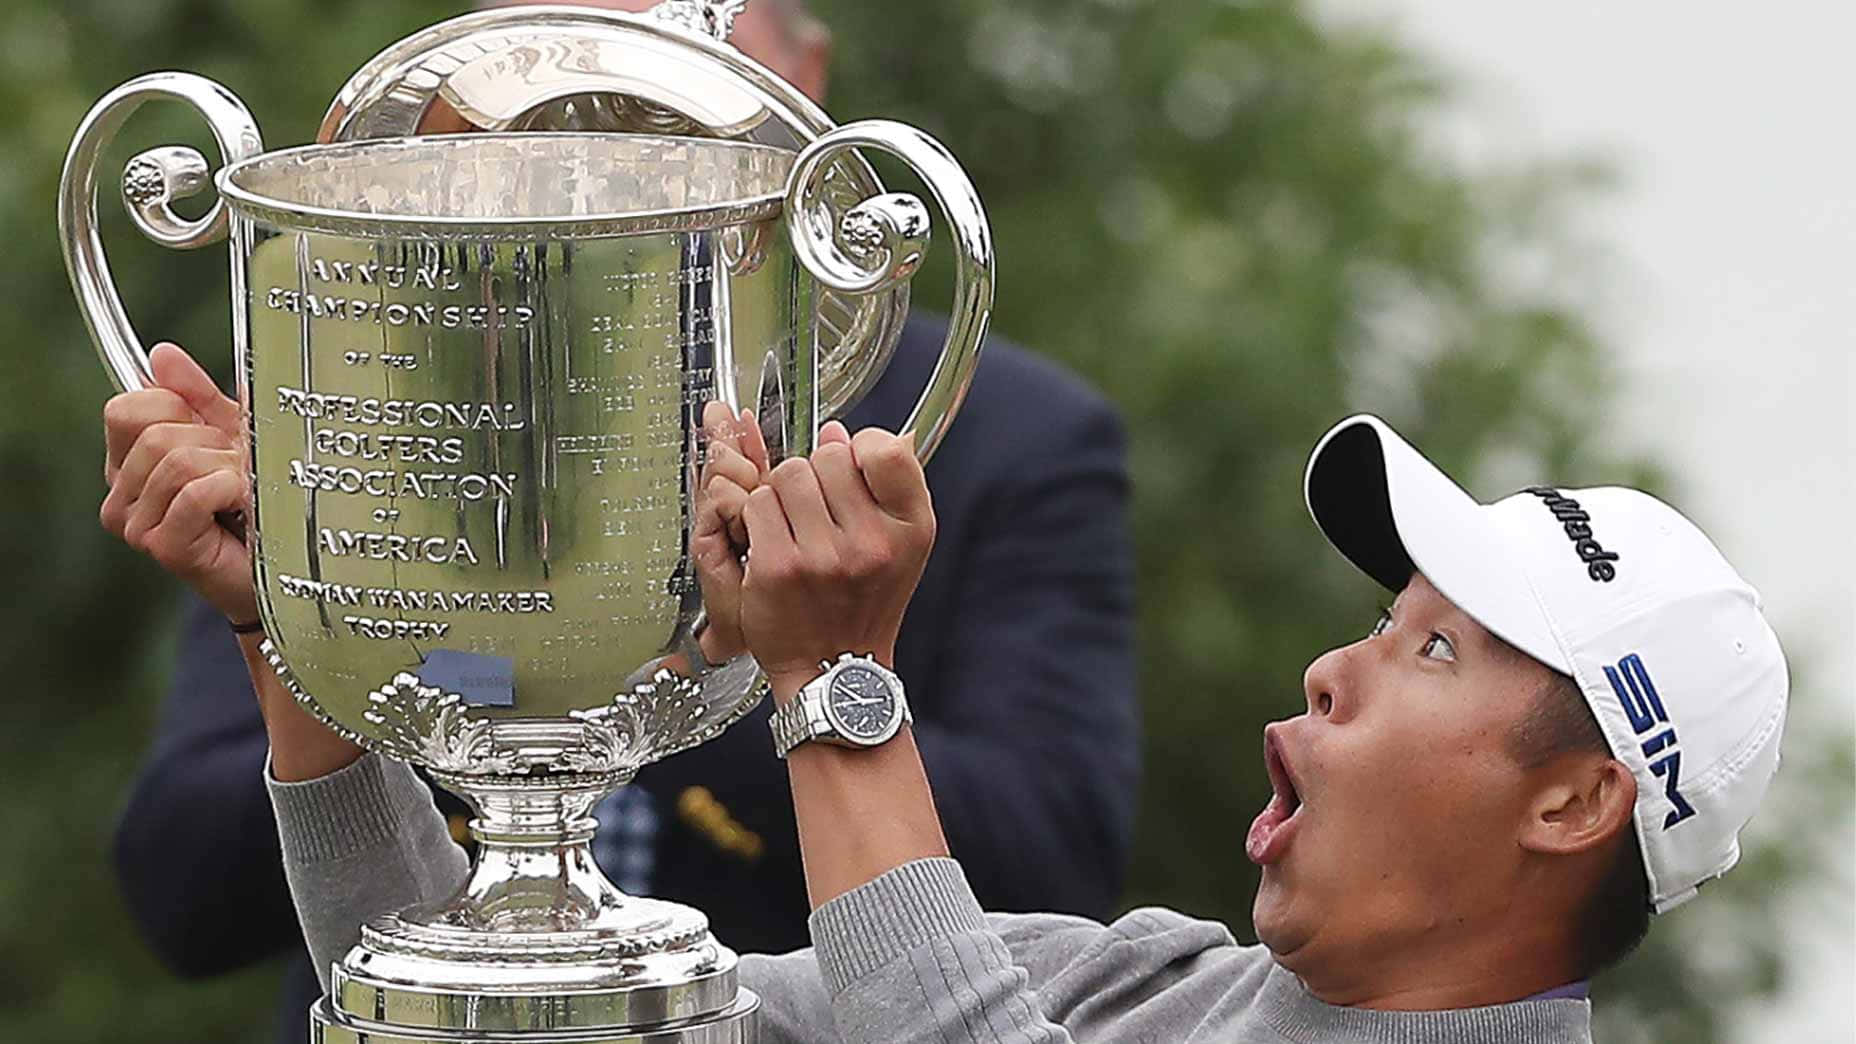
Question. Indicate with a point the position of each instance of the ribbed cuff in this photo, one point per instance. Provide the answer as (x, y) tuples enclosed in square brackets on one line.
[(868, 927), (1288, 1008), (350, 810)]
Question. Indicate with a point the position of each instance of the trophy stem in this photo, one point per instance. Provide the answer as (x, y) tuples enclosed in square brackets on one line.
[(535, 891), (534, 870)]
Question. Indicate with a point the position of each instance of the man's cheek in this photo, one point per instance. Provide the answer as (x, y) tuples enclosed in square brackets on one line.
[(1381, 798), (1359, 773)]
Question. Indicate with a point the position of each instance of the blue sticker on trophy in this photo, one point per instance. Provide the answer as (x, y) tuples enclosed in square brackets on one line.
[(482, 681)]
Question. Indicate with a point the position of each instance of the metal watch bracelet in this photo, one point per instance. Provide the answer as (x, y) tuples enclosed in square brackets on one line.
[(805, 716)]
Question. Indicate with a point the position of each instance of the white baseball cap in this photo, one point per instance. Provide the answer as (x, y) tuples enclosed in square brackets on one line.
[(1610, 586)]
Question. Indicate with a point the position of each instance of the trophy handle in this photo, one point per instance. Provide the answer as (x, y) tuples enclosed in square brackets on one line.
[(880, 242), (150, 183)]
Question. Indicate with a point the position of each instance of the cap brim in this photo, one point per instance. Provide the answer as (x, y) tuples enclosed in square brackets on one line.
[(1392, 512)]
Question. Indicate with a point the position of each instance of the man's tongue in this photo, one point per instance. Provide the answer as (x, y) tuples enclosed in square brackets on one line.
[(1270, 831)]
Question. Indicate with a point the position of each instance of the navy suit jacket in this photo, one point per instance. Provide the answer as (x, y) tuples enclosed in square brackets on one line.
[(1016, 650)]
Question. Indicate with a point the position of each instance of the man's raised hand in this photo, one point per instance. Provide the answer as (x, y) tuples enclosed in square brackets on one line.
[(734, 465), (837, 544), (174, 461)]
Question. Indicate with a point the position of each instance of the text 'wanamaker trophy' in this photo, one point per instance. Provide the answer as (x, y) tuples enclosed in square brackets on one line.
[(475, 369)]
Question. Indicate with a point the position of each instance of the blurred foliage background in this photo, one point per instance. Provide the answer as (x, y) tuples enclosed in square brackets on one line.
[(1223, 214)]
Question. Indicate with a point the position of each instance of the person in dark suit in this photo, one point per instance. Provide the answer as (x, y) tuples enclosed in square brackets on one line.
[(1018, 651)]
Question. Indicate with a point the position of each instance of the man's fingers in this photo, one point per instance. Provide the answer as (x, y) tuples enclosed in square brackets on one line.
[(176, 371), (753, 443), (719, 424), (804, 503), (739, 432), (723, 498), (178, 470), (716, 557), (725, 461), (720, 510), (189, 541), (732, 511), (894, 474), (127, 415), (156, 442), (712, 540), (834, 432), (847, 496), (713, 552), (719, 571), (192, 545), (770, 536)]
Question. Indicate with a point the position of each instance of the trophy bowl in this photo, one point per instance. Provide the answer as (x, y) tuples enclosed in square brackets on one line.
[(475, 372), (475, 471)]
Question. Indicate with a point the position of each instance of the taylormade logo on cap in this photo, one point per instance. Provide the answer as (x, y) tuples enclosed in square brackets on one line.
[(1579, 530)]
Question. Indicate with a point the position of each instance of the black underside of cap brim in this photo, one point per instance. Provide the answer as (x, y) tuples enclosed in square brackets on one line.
[(1347, 494)]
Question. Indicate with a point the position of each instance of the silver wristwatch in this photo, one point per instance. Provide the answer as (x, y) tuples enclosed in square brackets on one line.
[(856, 702)]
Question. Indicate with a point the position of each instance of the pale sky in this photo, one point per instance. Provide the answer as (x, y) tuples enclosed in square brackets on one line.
[(1727, 264)]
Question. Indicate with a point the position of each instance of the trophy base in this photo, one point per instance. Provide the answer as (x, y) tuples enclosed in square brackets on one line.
[(536, 945), (735, 1024)]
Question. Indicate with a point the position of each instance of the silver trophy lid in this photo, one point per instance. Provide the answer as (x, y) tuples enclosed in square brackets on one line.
[(669, 70)]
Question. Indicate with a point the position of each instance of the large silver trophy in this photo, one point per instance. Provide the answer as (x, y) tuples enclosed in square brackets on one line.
[(475, 369)]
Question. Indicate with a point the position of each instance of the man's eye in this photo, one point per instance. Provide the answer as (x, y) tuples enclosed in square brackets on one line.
[(1381, 625), (1438, 647)]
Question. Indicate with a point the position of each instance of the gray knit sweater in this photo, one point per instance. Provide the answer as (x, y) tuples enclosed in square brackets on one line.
[(908, 957)]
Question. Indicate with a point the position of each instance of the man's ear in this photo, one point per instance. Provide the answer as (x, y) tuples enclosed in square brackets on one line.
[(1582, 802)]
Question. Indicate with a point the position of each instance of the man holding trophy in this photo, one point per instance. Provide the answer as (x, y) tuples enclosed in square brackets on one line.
[(1479, 808), (1021, 626), (538, 482)]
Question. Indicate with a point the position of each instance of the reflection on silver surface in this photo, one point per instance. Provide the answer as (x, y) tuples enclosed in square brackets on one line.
[(474, 370), (573, 67), (551, 82), (513, 186)]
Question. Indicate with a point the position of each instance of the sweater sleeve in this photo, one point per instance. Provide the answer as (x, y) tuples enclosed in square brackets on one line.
[(910, 957), (359, 842)]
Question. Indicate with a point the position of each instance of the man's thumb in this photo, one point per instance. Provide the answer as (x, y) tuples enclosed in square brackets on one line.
[(176, 371)]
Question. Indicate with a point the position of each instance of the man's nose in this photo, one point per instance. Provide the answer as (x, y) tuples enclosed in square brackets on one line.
[(1327, 684)]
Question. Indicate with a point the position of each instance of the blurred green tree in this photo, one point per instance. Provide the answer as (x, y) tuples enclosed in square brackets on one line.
[(1223, 213)]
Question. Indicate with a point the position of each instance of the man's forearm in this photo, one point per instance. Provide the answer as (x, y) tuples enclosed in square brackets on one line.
[(885, 907), (362, 841), (301, 747), (861, 813)]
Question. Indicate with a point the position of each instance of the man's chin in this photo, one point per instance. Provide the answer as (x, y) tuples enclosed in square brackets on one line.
[(1273, 915)]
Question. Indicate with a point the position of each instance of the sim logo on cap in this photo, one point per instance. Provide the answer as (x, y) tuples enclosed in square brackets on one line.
[(1637, 693)]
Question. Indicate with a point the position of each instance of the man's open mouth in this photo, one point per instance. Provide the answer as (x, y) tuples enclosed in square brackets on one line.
[(1271, 831)]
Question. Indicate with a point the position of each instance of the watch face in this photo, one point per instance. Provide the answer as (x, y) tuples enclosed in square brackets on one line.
[(860, 703)]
